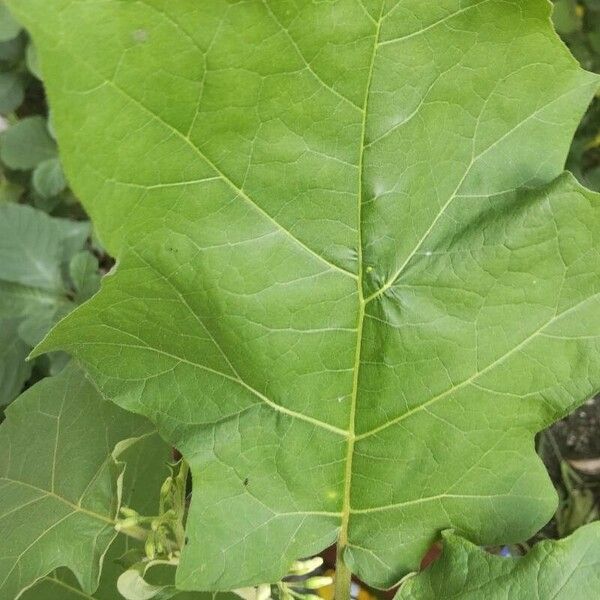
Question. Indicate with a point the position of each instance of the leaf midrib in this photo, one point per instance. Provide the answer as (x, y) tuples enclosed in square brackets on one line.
[(346, 508)]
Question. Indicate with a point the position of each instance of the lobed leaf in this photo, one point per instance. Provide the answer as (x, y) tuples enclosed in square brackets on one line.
[(141, 484), (352, 282), (61, 480), (566, 569)]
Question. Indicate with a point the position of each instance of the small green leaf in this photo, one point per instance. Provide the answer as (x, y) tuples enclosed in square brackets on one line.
[(48, 178), (30, 249), (567, 569), (60, 480), (11, 51), (12, 92), (26, 144), (34, 246), (9, 28), (72, 235)]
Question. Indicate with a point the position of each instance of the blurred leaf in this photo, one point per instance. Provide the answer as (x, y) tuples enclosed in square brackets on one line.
[(84, 274), (12, 92), (18, 300), (31, 247), (9, 191), (12, 50), (37, 324), (73, 235), (577, 506), (57, 361), (49, 179), (9, 28), (14, 370), (565, 17), (36, 252), (31, 58), (592, 178), (26, 144)]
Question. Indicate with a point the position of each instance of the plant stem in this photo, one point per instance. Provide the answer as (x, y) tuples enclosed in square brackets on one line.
[(343, 576)]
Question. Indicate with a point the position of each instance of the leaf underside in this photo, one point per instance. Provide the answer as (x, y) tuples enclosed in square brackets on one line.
[(352, 281), (142, 480), (566, 569), (60, 482)]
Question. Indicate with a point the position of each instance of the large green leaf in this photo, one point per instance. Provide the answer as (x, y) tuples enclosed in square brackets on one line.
[(60, 480), (562, 570), (351, 280)]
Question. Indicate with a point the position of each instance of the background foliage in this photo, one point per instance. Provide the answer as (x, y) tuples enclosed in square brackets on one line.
[(578, 23), (48, 261)]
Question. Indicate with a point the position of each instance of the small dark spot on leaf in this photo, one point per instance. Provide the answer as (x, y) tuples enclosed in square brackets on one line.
[(186, 541), (246, 481)]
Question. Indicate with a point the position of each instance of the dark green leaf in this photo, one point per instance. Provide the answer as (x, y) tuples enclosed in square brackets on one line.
[(9, 28), (60, 480), (12, 92), (14, 371), (565, 16), (11, 51)]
